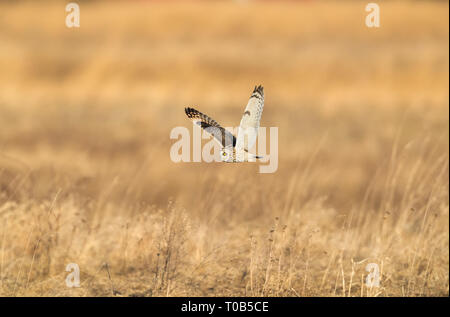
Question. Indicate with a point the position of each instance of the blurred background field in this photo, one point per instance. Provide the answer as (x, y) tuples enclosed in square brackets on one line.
[(86, 177)]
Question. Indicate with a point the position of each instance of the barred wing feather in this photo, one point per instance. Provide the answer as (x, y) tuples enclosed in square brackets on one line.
[(221, 135), (248, 128)]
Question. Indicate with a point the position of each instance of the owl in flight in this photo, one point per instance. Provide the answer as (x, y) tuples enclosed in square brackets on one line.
[(234, 149)]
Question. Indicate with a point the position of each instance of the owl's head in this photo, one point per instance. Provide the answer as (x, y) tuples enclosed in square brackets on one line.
[(226, 155)]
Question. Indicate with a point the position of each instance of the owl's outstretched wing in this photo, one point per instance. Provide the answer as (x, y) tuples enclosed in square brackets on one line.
[(221, 135), (248, 129)]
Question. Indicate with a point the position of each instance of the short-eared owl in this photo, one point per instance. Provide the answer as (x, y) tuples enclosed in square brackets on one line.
[(235, 149)]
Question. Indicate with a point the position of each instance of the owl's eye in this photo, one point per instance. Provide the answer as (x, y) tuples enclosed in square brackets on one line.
[(224, 154)]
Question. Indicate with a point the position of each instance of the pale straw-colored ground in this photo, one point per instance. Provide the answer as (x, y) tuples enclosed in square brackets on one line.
[(85, 173)]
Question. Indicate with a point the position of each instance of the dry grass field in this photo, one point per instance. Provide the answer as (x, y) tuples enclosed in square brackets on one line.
[(86, 176)]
